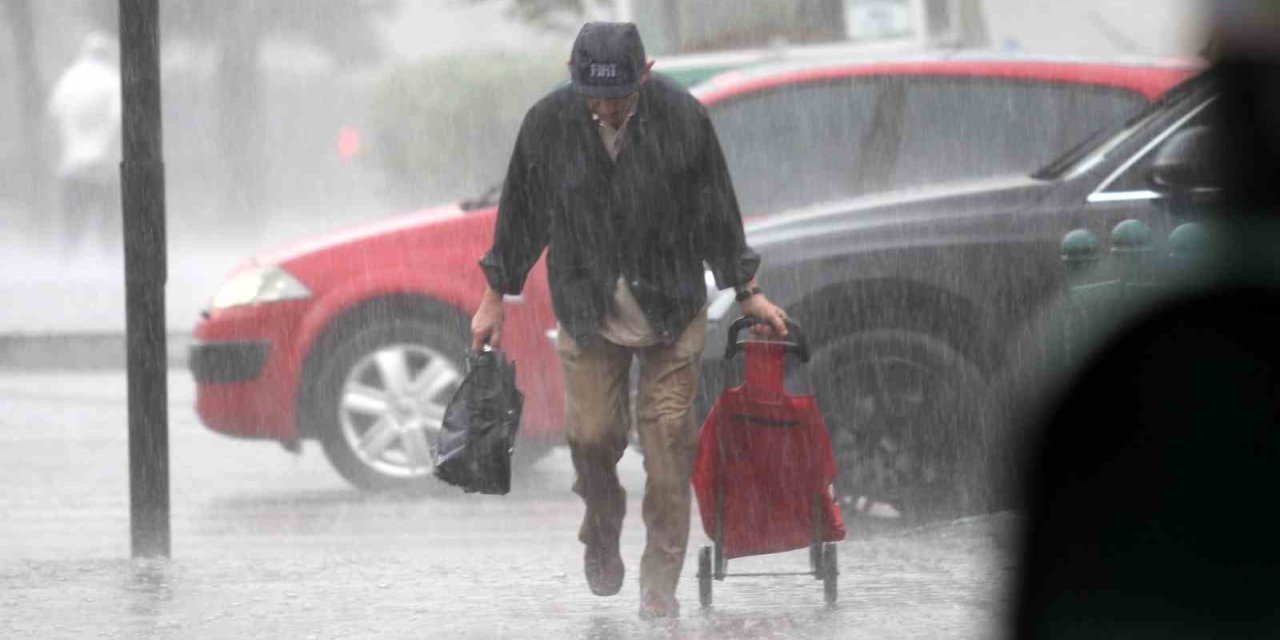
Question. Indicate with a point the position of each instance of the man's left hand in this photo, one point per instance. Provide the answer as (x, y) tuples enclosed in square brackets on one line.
[(760, 307)]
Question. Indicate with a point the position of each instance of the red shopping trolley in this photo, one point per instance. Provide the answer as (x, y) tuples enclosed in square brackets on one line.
[(764, 469)]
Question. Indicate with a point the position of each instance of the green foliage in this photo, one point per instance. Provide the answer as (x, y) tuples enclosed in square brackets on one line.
[(444, 128)]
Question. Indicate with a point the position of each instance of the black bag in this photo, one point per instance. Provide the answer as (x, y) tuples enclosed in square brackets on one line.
[(480, 424)]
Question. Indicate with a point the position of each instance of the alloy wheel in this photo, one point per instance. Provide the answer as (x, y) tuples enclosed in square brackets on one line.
[(899, 423), (391, 407)]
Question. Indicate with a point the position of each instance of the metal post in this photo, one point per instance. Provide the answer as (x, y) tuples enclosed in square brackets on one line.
[(31, 103), (142, 180), (1080, 259)]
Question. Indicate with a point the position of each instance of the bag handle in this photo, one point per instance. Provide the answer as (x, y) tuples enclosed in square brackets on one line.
[(796, 344)]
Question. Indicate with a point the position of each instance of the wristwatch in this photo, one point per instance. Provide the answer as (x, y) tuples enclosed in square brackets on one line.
[(745, 294)]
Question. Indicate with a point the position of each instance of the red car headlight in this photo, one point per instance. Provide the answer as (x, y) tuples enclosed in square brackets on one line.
[(257, 285)]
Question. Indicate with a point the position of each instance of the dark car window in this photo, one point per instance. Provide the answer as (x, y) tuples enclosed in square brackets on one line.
[(958, 129), (802, 144), (795, 145), (1134, 178)]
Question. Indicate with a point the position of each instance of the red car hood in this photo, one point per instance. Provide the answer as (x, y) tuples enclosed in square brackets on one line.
[(387, 226)]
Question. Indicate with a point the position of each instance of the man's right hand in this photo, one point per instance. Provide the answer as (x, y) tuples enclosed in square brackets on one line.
[(486, 325)]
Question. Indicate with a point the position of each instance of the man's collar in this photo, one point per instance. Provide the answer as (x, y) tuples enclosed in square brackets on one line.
[(639, 111), (631, 114)]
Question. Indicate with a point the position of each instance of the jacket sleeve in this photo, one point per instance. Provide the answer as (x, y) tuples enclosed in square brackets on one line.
[(724, 244), (520, 233)]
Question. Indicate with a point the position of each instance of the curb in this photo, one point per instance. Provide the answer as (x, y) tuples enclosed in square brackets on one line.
[(78, 351)]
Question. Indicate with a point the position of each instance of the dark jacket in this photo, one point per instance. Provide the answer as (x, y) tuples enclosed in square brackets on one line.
[(654, 216)]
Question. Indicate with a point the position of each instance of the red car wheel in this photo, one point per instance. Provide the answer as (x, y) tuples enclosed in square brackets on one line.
[(382, 396)]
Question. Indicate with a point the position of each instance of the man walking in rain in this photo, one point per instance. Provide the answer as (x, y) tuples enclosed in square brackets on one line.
[(619, 175)]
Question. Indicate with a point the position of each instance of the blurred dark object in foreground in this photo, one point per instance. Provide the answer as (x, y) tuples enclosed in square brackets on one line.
[(480, 424), (1150, 488)]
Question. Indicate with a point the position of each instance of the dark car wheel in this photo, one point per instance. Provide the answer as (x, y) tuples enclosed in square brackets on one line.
[(905, 415), (381, 398), (830, 572)]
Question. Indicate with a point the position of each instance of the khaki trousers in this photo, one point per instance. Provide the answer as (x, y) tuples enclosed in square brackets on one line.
[(598, 419)]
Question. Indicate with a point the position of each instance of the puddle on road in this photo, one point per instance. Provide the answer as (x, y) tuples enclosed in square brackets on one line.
[(937, 582)]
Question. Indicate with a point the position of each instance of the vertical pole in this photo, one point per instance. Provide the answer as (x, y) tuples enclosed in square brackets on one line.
[(142, 180), (31, 96)]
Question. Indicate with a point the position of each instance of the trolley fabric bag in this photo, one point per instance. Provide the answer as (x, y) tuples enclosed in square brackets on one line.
[(480, 426), (765, 463)]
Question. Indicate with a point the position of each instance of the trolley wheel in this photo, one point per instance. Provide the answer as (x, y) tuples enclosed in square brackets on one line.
[(720, 562), (830, 572), (704, 576)]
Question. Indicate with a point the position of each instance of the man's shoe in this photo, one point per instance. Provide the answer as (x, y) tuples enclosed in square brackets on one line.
[(654, 606), (604, 568)]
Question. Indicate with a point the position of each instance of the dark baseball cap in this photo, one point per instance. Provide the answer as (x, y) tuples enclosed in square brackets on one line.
[(607, 59)]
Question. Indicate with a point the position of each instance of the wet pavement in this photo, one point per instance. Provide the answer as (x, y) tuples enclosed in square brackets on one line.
[(273, 545)]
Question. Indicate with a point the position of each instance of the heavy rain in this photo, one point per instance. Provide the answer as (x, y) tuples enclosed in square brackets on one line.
[(277, 417)]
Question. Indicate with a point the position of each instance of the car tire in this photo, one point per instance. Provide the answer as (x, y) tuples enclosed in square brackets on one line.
[(905, 413), (528, 454), (380, 397), (705, 576)]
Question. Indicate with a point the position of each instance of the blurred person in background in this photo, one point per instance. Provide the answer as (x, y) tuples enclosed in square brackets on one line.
[(85, 109), (620, 176)]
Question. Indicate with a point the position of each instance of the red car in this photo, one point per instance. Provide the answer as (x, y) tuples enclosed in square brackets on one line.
[(357, 339)]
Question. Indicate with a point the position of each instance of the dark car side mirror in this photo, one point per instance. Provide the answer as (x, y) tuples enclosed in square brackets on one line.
[(1185, 166)]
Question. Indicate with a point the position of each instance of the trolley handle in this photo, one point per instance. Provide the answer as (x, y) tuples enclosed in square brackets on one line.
[(800, 346)]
